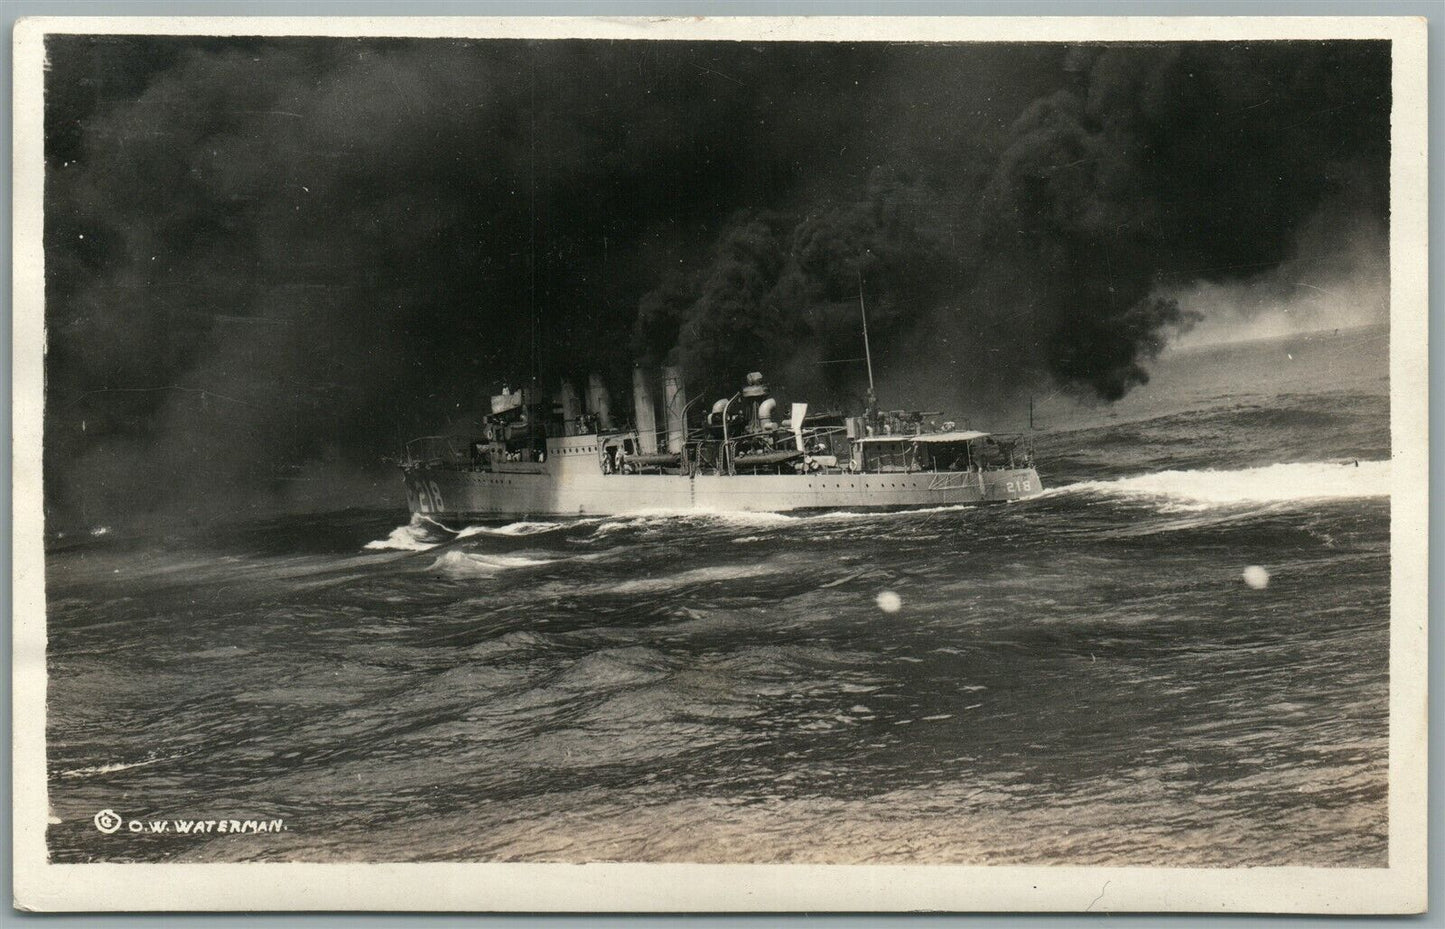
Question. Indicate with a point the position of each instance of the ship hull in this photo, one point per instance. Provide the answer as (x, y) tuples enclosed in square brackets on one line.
[(481, 495)]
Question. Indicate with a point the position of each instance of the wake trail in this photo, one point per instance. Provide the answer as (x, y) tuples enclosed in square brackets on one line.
[(1276, 483)]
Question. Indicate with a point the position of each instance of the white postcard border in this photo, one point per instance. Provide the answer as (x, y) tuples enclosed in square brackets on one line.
[(1400, 888)]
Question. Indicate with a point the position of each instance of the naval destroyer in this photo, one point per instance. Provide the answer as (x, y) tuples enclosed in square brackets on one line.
[(566, 455)]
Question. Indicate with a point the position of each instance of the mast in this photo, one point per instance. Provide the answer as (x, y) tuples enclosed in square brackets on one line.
[(867, 351)]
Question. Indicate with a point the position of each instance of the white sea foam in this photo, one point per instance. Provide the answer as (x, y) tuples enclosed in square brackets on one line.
[(109, 768), (419, 534), (511, 529), (748, 519), (911, 514), (409, 538), (475, 564), (1278, 483), (723, 517), (647, 519)]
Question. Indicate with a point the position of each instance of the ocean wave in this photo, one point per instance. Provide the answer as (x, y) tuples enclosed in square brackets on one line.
[(518, 640), (511, 529), (663, 583), (474, 564), (422, 533), (709, 575), (1277, 483), (613, 668), (415, 536), (748, 519), (663, 518), (110, 768)]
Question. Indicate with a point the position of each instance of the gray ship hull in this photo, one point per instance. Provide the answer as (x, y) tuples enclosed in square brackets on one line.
[(533, 491)]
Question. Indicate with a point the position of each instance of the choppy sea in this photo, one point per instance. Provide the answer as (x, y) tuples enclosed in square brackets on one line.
[(1177, 655)]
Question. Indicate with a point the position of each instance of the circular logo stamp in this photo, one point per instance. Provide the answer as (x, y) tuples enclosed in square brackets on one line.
[(107, 821)]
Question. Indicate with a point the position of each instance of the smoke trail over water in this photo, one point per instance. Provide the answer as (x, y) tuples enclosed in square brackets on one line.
[(271, 260)]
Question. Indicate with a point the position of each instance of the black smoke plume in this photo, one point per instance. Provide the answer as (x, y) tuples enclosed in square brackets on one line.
[(1150, 168), (269, 261)]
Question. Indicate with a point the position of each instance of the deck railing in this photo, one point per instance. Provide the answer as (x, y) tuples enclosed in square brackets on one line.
[(436, 450)]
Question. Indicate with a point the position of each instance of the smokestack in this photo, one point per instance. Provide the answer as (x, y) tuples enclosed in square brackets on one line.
[(674, 400), (644, 411), (599, 402), (754, 392), (571, 407)]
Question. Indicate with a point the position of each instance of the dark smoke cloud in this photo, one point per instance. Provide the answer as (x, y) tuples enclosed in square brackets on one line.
[(1150, 168), (782, 292), (269, 260)]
